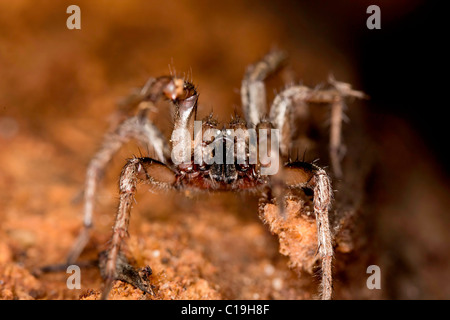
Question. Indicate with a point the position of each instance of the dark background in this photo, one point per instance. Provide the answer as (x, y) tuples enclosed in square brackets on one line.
[(401, 66)]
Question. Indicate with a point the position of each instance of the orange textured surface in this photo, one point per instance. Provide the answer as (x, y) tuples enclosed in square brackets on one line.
[(58, 95)]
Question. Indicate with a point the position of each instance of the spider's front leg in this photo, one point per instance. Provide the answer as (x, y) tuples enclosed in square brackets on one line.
[(321, 184), (147, 170), (136, 170), (298, 237), (137, 127)]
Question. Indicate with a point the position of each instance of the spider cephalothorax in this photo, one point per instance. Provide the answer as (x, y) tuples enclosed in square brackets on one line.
[(249, 153)]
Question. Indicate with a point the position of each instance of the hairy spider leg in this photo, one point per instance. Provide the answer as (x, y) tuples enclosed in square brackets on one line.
[(253, 91), (301, 175), (151, 171), (138, 127), (136, 170)]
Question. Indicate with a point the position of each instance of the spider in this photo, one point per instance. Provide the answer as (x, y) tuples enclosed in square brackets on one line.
[(235, 174)]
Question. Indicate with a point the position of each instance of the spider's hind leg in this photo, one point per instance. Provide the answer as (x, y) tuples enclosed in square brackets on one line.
[(138, 128), (253, 91), (293, 103)]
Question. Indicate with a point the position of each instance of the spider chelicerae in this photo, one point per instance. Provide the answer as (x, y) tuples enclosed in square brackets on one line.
[(193, 163)]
